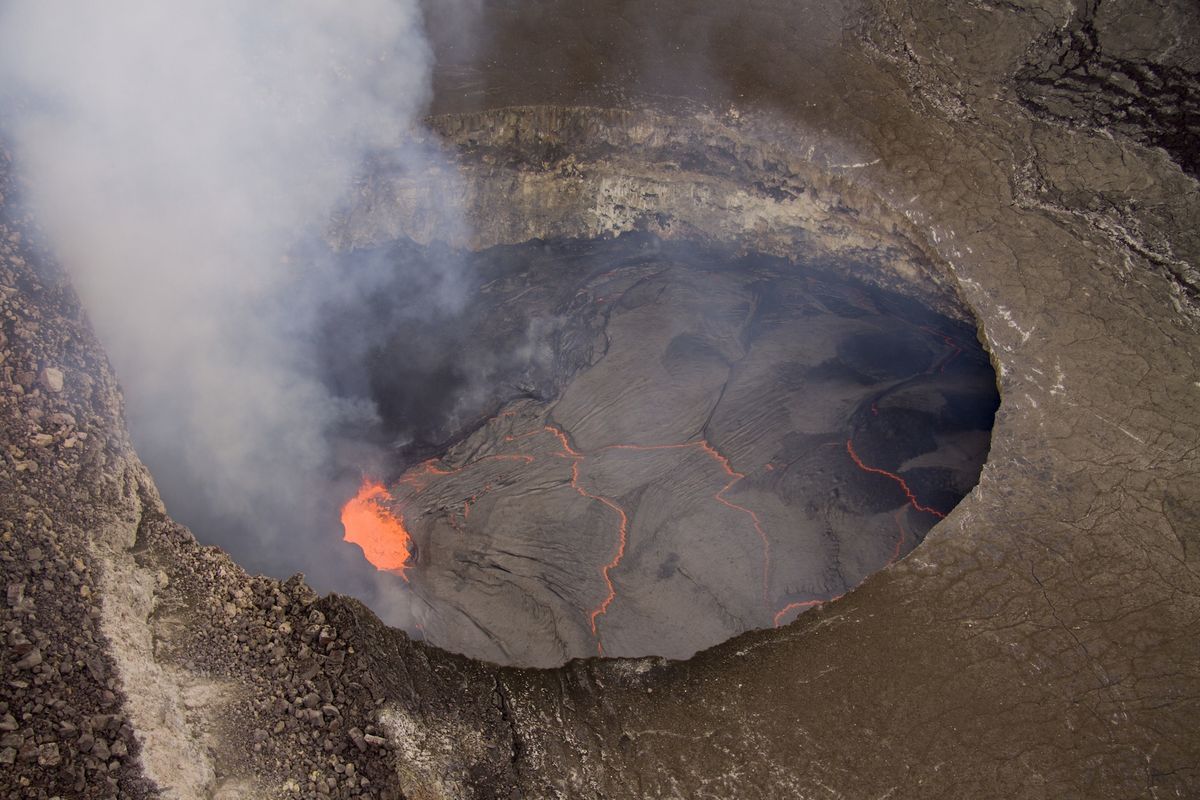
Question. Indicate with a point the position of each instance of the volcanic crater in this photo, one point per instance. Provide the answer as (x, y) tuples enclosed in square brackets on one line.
[(643, 438), (842, 161)]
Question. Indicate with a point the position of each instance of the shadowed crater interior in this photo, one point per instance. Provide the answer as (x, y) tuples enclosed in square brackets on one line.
[(633, 447)]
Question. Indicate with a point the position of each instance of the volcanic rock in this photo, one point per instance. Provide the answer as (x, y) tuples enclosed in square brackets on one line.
[(51, 379), (48, 755), (31, 659)]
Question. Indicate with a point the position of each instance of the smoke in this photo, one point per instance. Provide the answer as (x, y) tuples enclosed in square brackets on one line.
[(185, 158)]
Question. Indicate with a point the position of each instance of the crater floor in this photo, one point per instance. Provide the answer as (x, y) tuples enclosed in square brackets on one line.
[(717, 444)]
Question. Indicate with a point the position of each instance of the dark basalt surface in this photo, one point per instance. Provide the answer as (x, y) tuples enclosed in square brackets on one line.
[(1042, 642), (1104, 73), (679, 444)]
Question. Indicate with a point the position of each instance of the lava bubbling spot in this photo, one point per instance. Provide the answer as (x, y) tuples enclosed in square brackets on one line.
[(371, 525)]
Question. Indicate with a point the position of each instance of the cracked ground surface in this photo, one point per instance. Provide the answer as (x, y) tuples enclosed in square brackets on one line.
[(1043, 641)]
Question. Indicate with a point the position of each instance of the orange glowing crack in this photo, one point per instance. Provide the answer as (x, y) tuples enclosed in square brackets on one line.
[(371, 525), (562, 440), (779, 615), (941, 364), (470, 501), (903, 532), (622, 539), (734, 478), (912, 498), (420, 476), (623, 532)]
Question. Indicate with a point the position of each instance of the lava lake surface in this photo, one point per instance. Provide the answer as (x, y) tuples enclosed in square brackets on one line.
[(632, 447)]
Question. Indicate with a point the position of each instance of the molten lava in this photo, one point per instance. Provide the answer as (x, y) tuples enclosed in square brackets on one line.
[(903, 484), (371, 525), (619, 553)]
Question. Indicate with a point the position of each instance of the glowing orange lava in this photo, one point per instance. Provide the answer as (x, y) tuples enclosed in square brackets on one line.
[(371, 525), (781, 613), (562, 440), (622, 539)]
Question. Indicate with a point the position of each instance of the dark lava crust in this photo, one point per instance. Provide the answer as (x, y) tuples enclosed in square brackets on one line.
[(1096, 75), (679, 443)]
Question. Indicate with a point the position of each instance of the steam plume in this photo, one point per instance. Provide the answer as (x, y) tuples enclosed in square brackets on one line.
[(179, 153)]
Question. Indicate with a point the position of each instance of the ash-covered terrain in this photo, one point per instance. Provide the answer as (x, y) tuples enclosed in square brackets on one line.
[(677, 444)]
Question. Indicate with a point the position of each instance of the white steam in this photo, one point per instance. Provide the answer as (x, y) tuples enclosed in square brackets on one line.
[(177, 152)]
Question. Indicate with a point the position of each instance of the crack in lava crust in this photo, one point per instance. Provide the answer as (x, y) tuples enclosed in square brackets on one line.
[(622, 539), (781, 613), (908, 492), (712, 452), (380, 531)]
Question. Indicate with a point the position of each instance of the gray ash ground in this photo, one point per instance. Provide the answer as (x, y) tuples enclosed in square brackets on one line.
[(633, 447)]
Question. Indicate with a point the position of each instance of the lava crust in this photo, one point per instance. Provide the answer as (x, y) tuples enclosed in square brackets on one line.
[(694, 468)]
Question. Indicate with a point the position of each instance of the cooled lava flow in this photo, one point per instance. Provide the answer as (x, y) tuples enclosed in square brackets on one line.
[(781, 613), (912, 501), (622, 539), (803, 604), (622, 532), (735, 478), (955, 350), (385, 541), (642, 444), (371, 525)]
